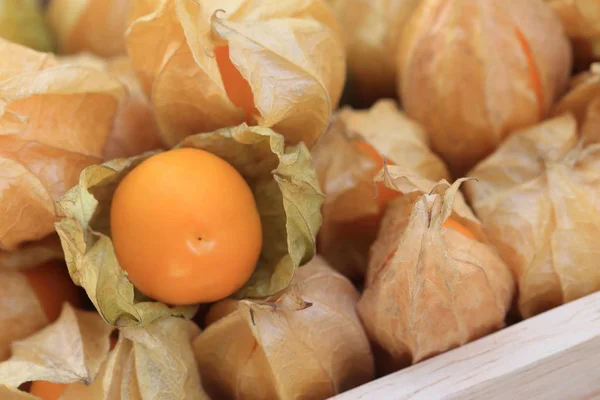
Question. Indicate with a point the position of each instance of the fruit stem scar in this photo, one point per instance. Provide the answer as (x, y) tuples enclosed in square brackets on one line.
[(535, 80)]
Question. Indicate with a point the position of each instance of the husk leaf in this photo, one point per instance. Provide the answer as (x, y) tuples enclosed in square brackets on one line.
[(70, 350), (346, 175), (472, 90), (56, 119), (154, 362), (372, 31), (581, 21), (22, 22), (172, 45), (286, 193), (97, 26), (21, 313), (423, 275), (306, 342), (32, 254), (538, 197)]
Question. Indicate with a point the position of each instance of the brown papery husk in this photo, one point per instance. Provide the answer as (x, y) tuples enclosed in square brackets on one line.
[(581, 21), (352, 209), (470, 91), (304, 343), (55, 120), (430, 288), (538, 198), (97, 26), (372, 31), (286, 55)]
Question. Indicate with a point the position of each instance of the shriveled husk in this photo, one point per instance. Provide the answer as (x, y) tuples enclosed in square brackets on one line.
[(372, 31), (97, 26), (304, 343), (287, 196), (504, 71), (430, 288), (155, 362), (22, 21), (209, 64), (55, 120), (353, 208), (538, 198), (581, 21)]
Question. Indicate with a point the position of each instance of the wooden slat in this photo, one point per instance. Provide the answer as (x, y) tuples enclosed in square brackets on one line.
[(555, 355)]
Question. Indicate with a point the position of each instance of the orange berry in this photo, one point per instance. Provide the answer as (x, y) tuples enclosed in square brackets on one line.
[(236, 86), (53, 286), (185, 227), (47, 390), (458, 227)]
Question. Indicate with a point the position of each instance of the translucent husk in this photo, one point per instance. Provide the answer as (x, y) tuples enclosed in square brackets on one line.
[(174, 46), (352, 208), (32, 254), (581, 20), (21, 21), (372, 31), (286, 192), (470, 91), (56, 118), (584, 88), (155, 362), (305, 342), (538, 197), (97, 26), (430, 288)]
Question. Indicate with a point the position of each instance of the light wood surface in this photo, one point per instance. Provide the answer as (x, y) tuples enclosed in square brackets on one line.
[(555, 355)]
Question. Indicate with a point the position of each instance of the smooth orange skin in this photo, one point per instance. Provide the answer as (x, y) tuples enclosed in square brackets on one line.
[(53, 287), (237, 88), (458, 227), (185, 227), (47, 390)]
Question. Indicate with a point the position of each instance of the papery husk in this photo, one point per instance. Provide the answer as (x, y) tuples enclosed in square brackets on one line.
[(305, 343), (581, 21), (346, 176), (22, 22), (538, 198), (584, 88), (97, 26), (296, 43), (470, 91), (55, 120), (21, 313), (430, 288), (372, 31), (155, 362), (288, 199), (71, 350), (32, 254)]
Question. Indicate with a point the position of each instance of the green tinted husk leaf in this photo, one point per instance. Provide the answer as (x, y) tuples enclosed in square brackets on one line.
[(287, 196), (22, 22)]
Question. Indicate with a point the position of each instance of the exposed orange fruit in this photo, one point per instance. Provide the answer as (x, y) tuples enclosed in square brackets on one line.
[(384, 193), (238, 89), (47, 390), (53, 287), (458, 227), (185, 227)]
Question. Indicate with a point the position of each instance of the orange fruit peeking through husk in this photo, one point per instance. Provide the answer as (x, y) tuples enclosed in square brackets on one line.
[(185, 227)]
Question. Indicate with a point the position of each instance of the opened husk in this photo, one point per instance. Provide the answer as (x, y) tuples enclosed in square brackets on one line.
[(55, 120), (304, 343), (581, 21), (97, 26), (430, 288), (206, 64), (353, 205), (372, 31), (32, 254), (506, 68), (538, 198), (287, 196), (21, 21)]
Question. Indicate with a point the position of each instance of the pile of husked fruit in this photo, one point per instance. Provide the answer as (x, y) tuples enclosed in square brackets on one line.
[(187, 212)]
